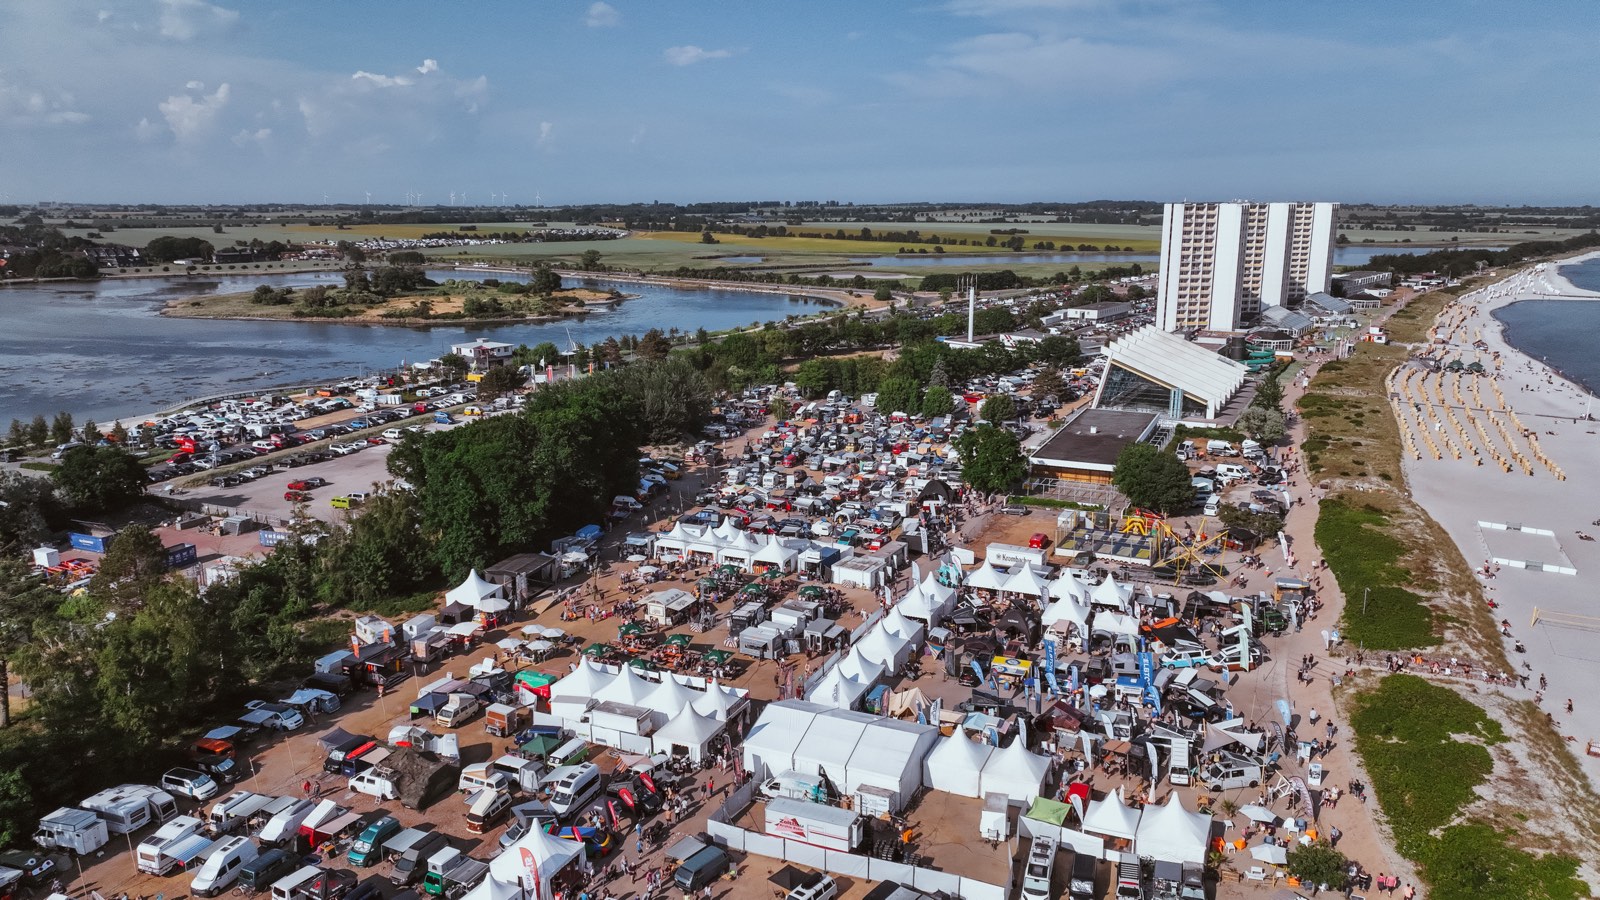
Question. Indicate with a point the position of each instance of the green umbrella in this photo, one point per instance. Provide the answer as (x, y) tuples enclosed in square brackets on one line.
[(641, 663), (708, 582), (728, 571), (597, 650), (678, 640), (772, 574), (810, 590), (755, 590), (718, 657), (631, 629)]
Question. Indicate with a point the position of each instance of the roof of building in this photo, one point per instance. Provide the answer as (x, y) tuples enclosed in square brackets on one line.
[(1360, 274), (1287, 319), (1107, 306), (1095, 436), (1171, 360), (1329, 303)]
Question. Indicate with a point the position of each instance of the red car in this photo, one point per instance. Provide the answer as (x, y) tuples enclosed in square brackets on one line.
[(299, 486), (296, 496), (375, 441), (1039, 540)]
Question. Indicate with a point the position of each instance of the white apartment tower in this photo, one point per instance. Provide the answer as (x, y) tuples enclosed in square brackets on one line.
[(1222, 262)]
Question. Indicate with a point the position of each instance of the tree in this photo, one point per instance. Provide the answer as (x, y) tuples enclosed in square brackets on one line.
[(1260, 524), (707, 237), (134, 560), (939, 375), (1317, 863), (938, 401), (1153, 479), (381, 554), (590, 261), (19, 434), (998, 408), (1269, 393), (100, 479), (119, 434), (545, 280), (672, 397), (654, 345), (39, 431), (456, 363), (170, 249), (883, 294), (1049, 383), (27, 507), (1058, 350), (1263, 423), (61, 428), (899, 394), (23, 600), (91, 432), (780, 409), (501, 380), (991, 458)]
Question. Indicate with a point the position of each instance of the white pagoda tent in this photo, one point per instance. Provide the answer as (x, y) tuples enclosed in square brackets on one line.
[(837, 690), (526, 868), (1109, 593), (1058, 615), (1026, 581), (472, 591), (860, 668), (955, 765), (1111, 817), (1173, 834), (885, 648), (669, 696), (628, 687), (987, 577), (777, 553), (688, 731), (1014, 771)]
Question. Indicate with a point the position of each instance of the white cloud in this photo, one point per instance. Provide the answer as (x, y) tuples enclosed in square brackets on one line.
[(689, 54), (146, 130), (545, 130), (602, 15), (428, 66), (183, 20), (246, 137), (102, 15), (196, 85), (383, 81), (190, 117), (23, 105), (638, 136)]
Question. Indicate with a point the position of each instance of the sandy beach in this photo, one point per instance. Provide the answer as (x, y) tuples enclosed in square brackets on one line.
[(1509, 466)]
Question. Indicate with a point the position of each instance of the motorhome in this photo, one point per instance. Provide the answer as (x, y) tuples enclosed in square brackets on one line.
[(457, 710), (77, 830), (1041, 864), (285, 824), (234, 810), (286, 887), (130, 807), (572, 788), (485, 809), (154, 854), (411, 862), (1229, 772)]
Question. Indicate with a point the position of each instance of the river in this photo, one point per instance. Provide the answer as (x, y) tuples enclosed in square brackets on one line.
[(99, 350)]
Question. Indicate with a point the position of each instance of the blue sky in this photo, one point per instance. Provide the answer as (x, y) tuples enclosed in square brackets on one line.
[(960, 100)]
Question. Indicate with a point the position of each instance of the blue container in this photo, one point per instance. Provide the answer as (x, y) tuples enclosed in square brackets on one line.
[(271, 538), (181, 556), (90, 542)]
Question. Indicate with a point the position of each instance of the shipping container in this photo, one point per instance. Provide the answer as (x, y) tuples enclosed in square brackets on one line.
[(92, 543), (181, 556)]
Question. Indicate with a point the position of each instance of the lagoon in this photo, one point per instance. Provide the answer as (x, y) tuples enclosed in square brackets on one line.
[(100, 350)]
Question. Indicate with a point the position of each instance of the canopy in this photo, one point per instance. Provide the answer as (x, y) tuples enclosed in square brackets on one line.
[(770, 745), (1172, 833), (493, 605), (1116, 623), (1109, 593), (1026, 581), (719, 702), (628, 687), (1111, 817), (987, 576), (536, 856), (896, 623), (837, 690), (472, 590), (889, 757), (861, 668), (631, 629), (1058, 615), (955, 765), (583, 683), (1015, 772), (688, 729), (718, 657), (1069, 586), (670, 696), (888, 650), (681, 641), (597, 649), (1270, 853), (778, 554), (1053, 812), (1258, 813)]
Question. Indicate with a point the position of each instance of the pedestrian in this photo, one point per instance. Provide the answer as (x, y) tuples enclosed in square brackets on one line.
[(711, 784), (306, 788), (1313, 716)]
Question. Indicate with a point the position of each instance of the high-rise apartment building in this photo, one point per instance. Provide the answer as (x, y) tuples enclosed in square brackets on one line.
[(1221, 263)]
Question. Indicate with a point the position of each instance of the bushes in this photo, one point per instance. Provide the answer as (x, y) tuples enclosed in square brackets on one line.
[(1364, 558)]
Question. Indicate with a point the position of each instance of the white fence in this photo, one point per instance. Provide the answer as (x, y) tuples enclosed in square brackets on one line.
[(854, 865)]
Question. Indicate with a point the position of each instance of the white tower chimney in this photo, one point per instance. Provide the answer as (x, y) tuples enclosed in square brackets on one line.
[(972, 311)]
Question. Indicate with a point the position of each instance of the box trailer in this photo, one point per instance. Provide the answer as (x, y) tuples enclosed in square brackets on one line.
[(813, 823)]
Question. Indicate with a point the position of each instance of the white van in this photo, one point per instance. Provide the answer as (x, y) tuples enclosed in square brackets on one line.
[(572, 788), (482, 776), (486, 808), (285, 887), (1041, 863), (222, 867), (797, 785), (1220, 448), (1232, 472), (1213, 505), (1185, 658)]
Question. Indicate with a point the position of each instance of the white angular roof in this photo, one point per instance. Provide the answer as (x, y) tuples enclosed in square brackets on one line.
[(583, 682), (987, 576), (1026, 581), (1172, 360), (628, 687), (670, 695), (472, 590), (1111, 817), (955, 765)]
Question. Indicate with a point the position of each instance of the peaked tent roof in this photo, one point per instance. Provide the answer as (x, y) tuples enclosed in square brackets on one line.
[(955, 765), (718, 702), (628, 687), (472, 591), (1015, 771), (1064, 611), (859, 667), (1110, 593), (775, 552), (688, 728), (583, 682), (1026, 581), (896, 623), (670, 695), (882, 647), (936, 590), (1069, 585), (837, 690), (986, 576), (548, 852), (1111, 817), (1171, 833)]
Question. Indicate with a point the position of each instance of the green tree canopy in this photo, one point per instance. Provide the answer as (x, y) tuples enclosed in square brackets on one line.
[(938, 401), (100, 479), (168, 248), (1153, 479), (501, 380), (1049, 383), (545, 280), (991, 458), (899, 394), (1058, 350), (1263, 423), (998, 408), (1317, 863)]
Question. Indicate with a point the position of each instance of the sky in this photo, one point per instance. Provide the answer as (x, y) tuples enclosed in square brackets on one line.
[(195, 101)]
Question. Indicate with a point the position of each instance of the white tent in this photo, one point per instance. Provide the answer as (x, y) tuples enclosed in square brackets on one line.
[(1061, 613), (884, 648), (727, 531), (721, 703), (1015, 772), (987, 576), (937, 591), (830, 741), (955, 765), (769, 747), (688, 730), (1111, 817), (890, 757), (628, 687), (861, 668), (669, 696), (776, 553), (535, 851), (1069, 586), (1109, 593), (1116, 623), (1026, 581), (917, 605), (583, 682), (472, 590), (896, 623), (678, 539), (835, 689), (1172, 833)]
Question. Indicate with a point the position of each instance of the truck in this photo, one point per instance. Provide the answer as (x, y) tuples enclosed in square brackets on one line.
[(451, 874), (154, 854), (828, 827), (129, 807), (1130, 880), (77, 830), (1081, 885)]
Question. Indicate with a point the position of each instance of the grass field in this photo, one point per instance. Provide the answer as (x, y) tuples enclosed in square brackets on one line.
[(1504, 239)]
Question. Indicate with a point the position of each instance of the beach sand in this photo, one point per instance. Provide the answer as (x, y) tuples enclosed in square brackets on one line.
[(1462, 496)]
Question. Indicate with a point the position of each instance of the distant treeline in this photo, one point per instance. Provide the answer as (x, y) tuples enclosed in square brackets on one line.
[(1464, 260)]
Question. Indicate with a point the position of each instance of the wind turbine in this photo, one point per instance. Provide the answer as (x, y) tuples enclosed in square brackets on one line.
[(452, 198), (369, 198)]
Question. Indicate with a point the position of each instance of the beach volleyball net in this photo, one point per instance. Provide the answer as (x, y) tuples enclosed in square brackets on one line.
[(1565, 620)]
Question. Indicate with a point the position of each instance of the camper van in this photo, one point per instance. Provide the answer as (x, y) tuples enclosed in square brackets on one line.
[(286, 887), (265, 870), (223, 866), (410, 864), (791, 784), (1231, 472), (154, 854), (285, 824), (486, 809), (234, 810), (525, 774), (130, 807), (482, 776), (1220, 448), (456, 711), (572, 788), (368, 846), (76, 830), (376, 782), (1041, 863), (1231, 772)]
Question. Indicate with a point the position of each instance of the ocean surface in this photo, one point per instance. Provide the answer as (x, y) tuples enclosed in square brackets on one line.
[(1560, 332), (99, 350)]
